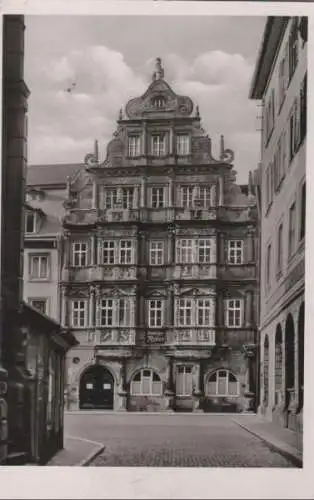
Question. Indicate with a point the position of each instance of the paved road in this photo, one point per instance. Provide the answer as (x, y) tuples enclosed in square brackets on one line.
[(172, 440)]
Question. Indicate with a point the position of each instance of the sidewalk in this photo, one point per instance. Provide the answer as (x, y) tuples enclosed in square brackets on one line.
[(77, 452), (286, 442)]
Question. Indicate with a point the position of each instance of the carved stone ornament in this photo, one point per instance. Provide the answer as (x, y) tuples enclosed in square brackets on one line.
[(105, 335)]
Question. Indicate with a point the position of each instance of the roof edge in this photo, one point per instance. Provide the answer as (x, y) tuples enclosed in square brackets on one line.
[(273, 32)]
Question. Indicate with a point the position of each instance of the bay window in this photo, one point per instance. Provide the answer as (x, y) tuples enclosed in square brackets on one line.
[(194, 251), (134, 145), (199, 196), (115, 312), (194, 312), (235, 251)]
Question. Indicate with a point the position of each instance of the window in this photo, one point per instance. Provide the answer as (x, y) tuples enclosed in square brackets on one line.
[(204, 248), (204, 197), (203, 315), (157, 197), (110, 198), (184, 380), (268, 265), (292, 222), (193, 251), (156, 253), (235, 252), (39, 304), (234, 313), (185, 312), (106, 312), (30, 222), (146, 383), (279, 249), (195, 196), (127, 197), (39, 267), (187, 196), (79, 253), (282, 79), (183, 144), (303, 211), (125, 252), (293, 48), (108, 252), (158, 145), (159, 102), (294, 129), (303, 109), (223, 383), (269, 116), (134, 145), (79, 313), (115, 312), (117, 252), (155, 313)]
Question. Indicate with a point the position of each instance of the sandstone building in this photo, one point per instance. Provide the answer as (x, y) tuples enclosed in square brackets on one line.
[(280, 82), (158, 278)]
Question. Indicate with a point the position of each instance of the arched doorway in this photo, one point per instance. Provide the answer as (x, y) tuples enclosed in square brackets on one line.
[(301, 354), (289, 359), (96, 389), (278, 364), (266, 371)]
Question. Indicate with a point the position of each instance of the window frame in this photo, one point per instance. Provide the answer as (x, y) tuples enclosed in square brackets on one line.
[(44, 300), (153, 313), (34, 225), (227, 393), (82, 255), (156, 254), (280, 249), (40, 257), (229, 309), (151, 383), (84, 310), (134, 151), (188, 251), (292, 230), (157, 197), (185, 150), (233, 252), (268, 265), (158, 149)]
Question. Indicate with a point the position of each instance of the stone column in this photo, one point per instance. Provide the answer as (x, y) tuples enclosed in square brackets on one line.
[(248, 308), (221, 257), (95, 195), (170, 193), (171, 141), (170, 390), (92, 308), (64, 308), (221, 192), (122, 393), (142, 196), (198, 389)]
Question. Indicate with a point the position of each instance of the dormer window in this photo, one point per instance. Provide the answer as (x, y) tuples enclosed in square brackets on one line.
[(30, 222), (158, 145), (159, 102)]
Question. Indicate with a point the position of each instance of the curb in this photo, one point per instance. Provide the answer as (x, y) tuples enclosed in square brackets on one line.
[(290, 455), (94, 454)]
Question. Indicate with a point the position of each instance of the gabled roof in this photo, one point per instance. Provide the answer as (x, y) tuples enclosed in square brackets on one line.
[(51, 175)]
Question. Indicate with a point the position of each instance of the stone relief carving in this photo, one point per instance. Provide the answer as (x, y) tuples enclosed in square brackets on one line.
[(78, 292), (105, 336), (123, 337)]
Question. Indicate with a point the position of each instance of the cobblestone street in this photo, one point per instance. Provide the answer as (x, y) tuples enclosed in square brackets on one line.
[(172, 440)]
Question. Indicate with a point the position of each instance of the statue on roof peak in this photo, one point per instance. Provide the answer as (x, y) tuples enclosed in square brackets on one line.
[(159, 71)]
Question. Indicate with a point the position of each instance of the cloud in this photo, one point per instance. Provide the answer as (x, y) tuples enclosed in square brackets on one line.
[(63, 126)]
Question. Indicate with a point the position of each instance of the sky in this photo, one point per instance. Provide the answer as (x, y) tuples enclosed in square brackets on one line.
[(111, 60)]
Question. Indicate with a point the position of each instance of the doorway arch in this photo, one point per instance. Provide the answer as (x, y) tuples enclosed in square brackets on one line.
[(266, 370), (278, 363), (301, 354), (289, 358), (96, 389)]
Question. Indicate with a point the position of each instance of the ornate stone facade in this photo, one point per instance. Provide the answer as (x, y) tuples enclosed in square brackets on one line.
[(160, 264)]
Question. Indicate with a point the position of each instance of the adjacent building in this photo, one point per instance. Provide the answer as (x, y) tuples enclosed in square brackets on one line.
[(32, 346), (158, 278), (280, 83)]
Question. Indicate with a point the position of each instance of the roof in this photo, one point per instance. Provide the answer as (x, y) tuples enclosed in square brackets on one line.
[(274, 30), (51, 175)]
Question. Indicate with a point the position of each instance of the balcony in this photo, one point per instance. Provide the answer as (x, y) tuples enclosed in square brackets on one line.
[(115, 336), (119, 215), (192, 336), (240, 272), (236, 338), (196, 214), (80, 217), (195, 271)]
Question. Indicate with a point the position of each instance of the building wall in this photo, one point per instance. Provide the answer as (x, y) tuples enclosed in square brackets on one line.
[(282, 295)]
